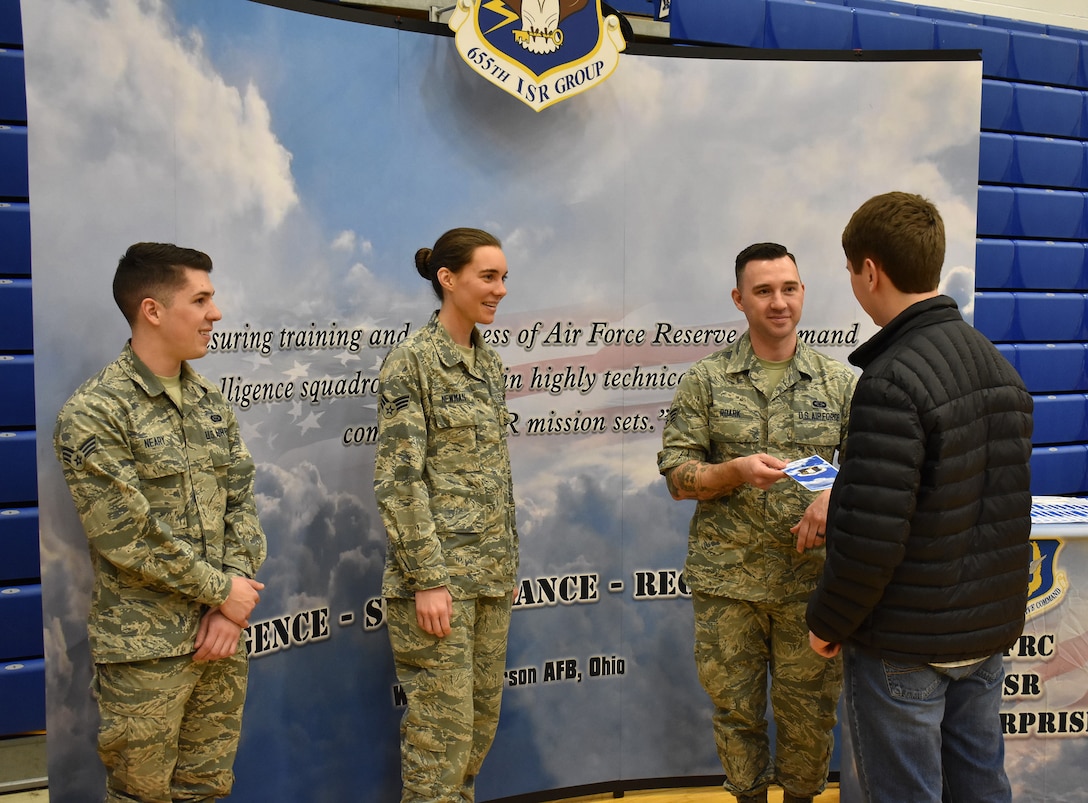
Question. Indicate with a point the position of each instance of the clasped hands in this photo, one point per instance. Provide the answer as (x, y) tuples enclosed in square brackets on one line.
[(220, 628)]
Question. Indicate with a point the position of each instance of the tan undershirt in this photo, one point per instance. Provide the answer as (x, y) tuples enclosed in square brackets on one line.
[(172, 385), (775, 370), (469, 353)]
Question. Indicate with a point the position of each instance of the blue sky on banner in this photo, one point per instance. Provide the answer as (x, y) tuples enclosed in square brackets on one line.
[(311, 157)]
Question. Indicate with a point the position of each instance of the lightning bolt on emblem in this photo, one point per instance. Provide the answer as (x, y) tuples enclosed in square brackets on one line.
[(502, 10)]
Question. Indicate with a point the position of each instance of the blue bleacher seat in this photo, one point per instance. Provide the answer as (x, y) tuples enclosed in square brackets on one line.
[(741, 23), (997, 105), (18, 468), (876, 30), (1061, 418), (1008, 351), (15, 235), (1050, 317), (1068, 33), (995, 265), (1055, 214), (805, 25), (951, 15), (22, 688), (12, 86), (1046, 265), (993, 42), (995, 315), (996, 157), (19, 544), (1010, 24), (888, 6), (1059, 470), (14, 179), (1082, 75), (21, 622), (1049, 162), (11, 23), (997, 212), (17, 333), (1053, 367), (1043, 58), (17, 397), (1048, 110)]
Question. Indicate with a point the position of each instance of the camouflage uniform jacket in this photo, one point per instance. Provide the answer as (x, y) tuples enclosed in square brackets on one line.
[(442, 469), (740, 545), (166, 500)]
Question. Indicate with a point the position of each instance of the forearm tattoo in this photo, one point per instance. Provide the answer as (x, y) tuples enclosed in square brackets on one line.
[(688, 480)]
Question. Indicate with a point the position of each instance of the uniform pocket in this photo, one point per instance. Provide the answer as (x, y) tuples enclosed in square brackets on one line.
[(162, 471), (818, 435), (453, 443)]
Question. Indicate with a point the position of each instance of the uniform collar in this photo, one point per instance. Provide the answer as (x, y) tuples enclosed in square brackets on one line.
[(447, 350), (146, 378), (742, 358)]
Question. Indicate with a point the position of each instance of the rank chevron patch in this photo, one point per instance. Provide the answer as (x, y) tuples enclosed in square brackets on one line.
[(77, 457)]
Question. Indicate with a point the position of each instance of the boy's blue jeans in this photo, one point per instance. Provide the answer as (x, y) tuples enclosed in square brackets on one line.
[(923, 735)]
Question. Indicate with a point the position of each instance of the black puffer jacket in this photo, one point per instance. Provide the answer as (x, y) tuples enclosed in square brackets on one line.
[(927, 536)]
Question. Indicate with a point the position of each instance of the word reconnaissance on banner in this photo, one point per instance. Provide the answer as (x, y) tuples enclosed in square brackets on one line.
[(311, 626)]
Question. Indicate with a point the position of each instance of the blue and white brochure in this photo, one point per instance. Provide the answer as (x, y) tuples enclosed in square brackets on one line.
[(813, 472)]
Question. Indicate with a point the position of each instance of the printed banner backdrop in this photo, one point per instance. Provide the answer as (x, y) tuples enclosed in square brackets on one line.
[(311, 156)]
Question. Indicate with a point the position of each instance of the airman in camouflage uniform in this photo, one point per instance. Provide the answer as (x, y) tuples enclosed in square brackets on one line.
[(163, 486), (755, 542), (443, 484)]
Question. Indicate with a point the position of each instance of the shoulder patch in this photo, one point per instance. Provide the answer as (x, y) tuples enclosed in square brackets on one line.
[(390, 407), (75, 458)]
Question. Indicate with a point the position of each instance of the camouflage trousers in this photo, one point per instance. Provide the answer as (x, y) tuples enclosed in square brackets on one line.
[(170, 727), (454, 689), (736, 643)]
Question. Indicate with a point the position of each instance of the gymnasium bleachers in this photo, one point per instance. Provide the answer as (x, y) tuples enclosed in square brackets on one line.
[(22, 666)]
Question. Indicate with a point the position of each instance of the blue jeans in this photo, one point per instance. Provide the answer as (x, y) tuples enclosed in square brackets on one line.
[(919, 733)]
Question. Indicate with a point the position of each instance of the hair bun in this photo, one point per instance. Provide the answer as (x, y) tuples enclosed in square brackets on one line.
[(423, 259)]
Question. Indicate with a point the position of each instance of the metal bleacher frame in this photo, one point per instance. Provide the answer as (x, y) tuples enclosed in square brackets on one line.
[(1031, 262)]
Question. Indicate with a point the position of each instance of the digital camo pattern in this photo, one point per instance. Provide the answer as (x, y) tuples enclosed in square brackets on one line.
[(454, 690), (442, 469), (200, 706), (735, 642), (740, 545), (166, 500)]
